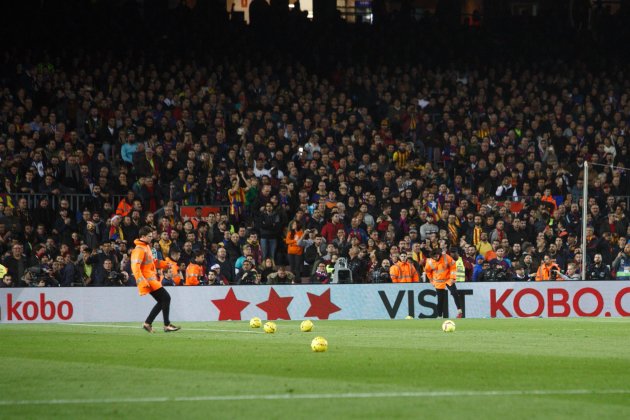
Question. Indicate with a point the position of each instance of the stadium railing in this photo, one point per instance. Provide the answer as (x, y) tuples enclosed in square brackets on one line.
[(76, 201)]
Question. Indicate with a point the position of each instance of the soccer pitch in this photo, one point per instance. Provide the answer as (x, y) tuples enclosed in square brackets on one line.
[(492, 368)]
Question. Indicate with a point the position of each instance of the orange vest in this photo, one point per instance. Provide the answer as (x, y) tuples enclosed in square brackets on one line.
[(193, 273), (404, 272), (144, 268), (441, 272), (549, 199), (177, 275), (123, 208), (544, 272)]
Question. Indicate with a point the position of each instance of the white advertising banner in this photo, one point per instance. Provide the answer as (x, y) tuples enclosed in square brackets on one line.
[(369, 301)]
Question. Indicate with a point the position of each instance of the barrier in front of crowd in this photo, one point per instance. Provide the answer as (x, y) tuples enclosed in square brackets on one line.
[(348, 302), (76, 202)]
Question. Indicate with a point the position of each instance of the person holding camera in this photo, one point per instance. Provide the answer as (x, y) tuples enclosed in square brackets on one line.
[(548, 270), (105, 275), (248, 274), (381, 274), (39, 276)]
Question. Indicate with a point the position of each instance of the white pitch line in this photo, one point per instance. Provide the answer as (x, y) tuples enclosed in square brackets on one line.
[(139, 328), (351, 395)]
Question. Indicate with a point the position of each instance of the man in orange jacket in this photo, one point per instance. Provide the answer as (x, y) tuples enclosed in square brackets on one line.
[(548, 270), (195, 271), (441, 270), (404, 271), (125, 206), (174, 272), (144, 268)]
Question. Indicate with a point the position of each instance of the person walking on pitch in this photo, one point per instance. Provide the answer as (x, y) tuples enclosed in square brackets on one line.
[(144, 268), (441, 270)]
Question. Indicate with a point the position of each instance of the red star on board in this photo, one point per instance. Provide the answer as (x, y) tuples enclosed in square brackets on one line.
[(230, 307), (276, 306), (321, 306)]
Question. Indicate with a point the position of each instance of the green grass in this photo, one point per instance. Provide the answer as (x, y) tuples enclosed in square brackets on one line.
[(118, 368)]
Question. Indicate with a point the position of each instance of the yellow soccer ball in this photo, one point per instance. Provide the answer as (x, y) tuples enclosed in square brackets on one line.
[(270, 327), (306, 326), (255, 322), (408, 317), (448, 326), (319, 344)]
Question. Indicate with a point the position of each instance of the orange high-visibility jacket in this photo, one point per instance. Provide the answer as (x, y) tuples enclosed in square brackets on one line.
[(144, 268), (193, 273), (177, 275), (441, 272), (124, 208), (544, 272), (404, 272)]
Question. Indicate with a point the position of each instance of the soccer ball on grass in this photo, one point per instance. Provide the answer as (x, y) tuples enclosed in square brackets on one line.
[(255, 322), (319, 344), (270, 327), (306, 326), (448, 326)]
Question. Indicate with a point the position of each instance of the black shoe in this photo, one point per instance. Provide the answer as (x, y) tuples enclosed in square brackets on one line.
[(171, 328), (147, 327)]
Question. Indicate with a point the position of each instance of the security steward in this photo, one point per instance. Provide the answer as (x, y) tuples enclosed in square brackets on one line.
[(144, 268), (441, 271), (404, 271), (174, 273), (195, 272)]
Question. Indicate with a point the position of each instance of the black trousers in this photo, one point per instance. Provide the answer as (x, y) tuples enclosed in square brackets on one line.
[(163, 304), (442, 299), (296, 263)]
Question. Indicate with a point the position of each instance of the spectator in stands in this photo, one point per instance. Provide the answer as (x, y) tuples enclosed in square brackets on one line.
[(314, 249), (597, 270), (17, 263), (519, 273), (7, 281), (282, 276), (225, 265), (571, 273), (294, 250), (621, 264), (321, 275), (488, 170), (266, 268)]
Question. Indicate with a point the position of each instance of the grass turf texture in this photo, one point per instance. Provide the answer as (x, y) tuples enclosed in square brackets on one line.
[(122, 370)]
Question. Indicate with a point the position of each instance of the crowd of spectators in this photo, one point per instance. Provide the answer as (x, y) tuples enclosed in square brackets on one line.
[(357, 161)]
